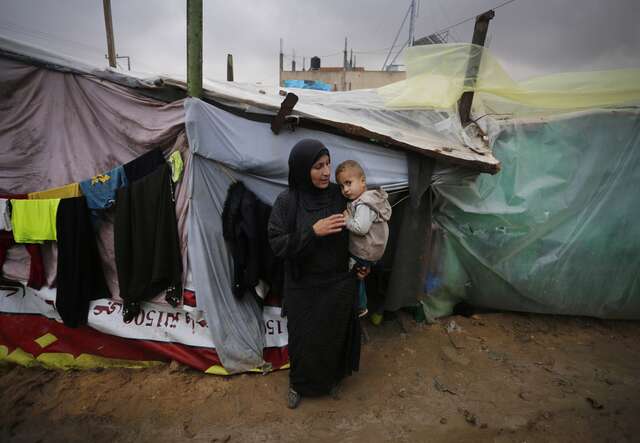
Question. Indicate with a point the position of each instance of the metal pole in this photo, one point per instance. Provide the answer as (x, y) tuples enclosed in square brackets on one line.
[(479, 37), (344, 62), (108, 24), (344, 67), (229, 67), (412, 21), (194, 48)]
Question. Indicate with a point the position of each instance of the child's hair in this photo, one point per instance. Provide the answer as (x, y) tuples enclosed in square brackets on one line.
[(350, 165)]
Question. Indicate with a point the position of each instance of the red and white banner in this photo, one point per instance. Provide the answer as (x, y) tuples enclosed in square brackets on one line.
[(157, 324)]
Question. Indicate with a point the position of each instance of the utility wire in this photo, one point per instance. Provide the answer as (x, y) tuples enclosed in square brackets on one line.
[(396, 39), (472, 17)]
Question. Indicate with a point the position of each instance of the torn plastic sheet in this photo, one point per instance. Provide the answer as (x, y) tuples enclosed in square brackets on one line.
[(556, 231)]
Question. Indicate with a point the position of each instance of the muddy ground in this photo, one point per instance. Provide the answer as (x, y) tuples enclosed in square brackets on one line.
[(497, 377)]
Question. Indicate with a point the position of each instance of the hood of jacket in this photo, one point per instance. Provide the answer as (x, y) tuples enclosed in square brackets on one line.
[(378, 200)]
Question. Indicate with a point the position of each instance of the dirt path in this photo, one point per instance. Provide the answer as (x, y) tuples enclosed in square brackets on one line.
[(500, 377)]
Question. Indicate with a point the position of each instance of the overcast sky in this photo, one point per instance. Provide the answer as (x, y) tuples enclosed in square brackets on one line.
[(529, 37)]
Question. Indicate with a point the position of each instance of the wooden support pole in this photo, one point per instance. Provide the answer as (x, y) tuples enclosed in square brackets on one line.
[(194, 48), (229, 67), (473, 65), (108, 24)]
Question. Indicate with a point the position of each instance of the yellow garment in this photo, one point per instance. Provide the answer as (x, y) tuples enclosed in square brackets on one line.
[(175, 160), (34, 221), (66, 191)]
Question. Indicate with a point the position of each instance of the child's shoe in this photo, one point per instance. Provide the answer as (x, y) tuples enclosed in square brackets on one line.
[(376, 318)]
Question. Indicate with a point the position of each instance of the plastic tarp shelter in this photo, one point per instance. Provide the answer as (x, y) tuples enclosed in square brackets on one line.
[(228, 148), (556, 231)]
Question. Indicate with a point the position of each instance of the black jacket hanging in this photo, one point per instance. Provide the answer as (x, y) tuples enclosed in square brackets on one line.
[(244, 226), (147, 246), (79, 275)]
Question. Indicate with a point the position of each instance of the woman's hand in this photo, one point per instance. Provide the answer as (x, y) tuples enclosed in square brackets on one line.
[(330, 225)]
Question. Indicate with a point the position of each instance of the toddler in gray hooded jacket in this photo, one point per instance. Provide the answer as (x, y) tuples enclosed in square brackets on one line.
[(366, 219)]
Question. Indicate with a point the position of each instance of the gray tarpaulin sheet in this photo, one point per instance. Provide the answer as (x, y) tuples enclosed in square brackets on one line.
[(434, 133), (226, 147)]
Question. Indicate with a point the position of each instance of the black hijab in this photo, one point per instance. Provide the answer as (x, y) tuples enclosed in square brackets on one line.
[(301, 159)]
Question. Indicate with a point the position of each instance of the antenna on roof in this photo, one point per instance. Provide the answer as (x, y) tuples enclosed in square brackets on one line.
[(412, 13)]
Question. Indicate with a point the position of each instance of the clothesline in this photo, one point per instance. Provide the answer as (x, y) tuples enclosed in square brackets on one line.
[(69, 215)]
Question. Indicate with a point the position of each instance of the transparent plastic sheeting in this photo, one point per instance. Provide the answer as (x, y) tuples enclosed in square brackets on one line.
[(437, 75), (557, 231)]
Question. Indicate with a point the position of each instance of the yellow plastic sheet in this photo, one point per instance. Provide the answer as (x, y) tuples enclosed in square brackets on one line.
[(438, 75), (61, 360)]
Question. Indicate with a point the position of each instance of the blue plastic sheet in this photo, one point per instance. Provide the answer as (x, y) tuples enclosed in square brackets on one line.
[(307, 84)]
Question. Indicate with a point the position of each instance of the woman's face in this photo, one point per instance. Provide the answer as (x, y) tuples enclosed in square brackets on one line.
[(321, 172)]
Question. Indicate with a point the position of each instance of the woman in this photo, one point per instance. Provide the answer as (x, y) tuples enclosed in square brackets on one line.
[(306, 229)]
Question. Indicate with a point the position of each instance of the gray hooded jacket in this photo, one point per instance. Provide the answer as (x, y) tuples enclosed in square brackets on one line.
[(369, 244)]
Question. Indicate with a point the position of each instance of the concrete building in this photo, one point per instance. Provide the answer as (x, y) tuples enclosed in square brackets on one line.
[(345, 79)]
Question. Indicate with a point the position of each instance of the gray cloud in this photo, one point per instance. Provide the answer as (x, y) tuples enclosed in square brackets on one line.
[(529, 37)]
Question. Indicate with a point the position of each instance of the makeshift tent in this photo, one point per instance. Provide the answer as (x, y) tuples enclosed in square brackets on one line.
[(66, 122), (555, 231)]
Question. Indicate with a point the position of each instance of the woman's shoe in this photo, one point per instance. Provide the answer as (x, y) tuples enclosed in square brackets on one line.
[(293, 399)]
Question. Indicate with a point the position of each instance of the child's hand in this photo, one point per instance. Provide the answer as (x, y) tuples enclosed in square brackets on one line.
[(362, 272), (346, 214)]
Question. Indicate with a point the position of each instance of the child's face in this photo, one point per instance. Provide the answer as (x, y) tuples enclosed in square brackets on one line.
[(352, 184)]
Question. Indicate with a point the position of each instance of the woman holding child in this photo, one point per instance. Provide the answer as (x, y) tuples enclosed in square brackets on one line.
[(306, 228)]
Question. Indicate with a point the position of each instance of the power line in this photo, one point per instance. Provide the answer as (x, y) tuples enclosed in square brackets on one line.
[(472, 17), (376, 51)]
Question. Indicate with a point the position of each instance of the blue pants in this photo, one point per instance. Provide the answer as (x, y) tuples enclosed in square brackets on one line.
[(362, 287)]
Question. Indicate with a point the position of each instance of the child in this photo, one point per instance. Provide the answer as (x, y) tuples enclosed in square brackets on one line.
[(366, 217)]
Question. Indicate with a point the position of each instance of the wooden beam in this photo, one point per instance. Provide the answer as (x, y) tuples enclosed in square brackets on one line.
[(229, 67), (108, 24), (473, 65), (194, 48)]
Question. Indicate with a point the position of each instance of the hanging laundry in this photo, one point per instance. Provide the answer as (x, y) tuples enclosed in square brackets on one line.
[(36, 267), (100, 191), (146, 241), (245, 220), (34, 221), (177, 166), (144, 165), (66, 191), (5, 215), (79, 275)]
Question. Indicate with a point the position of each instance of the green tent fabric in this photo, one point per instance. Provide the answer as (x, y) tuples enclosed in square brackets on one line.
[(557, 230)]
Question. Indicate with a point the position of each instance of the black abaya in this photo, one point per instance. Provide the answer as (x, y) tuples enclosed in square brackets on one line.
[(324, 334)]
